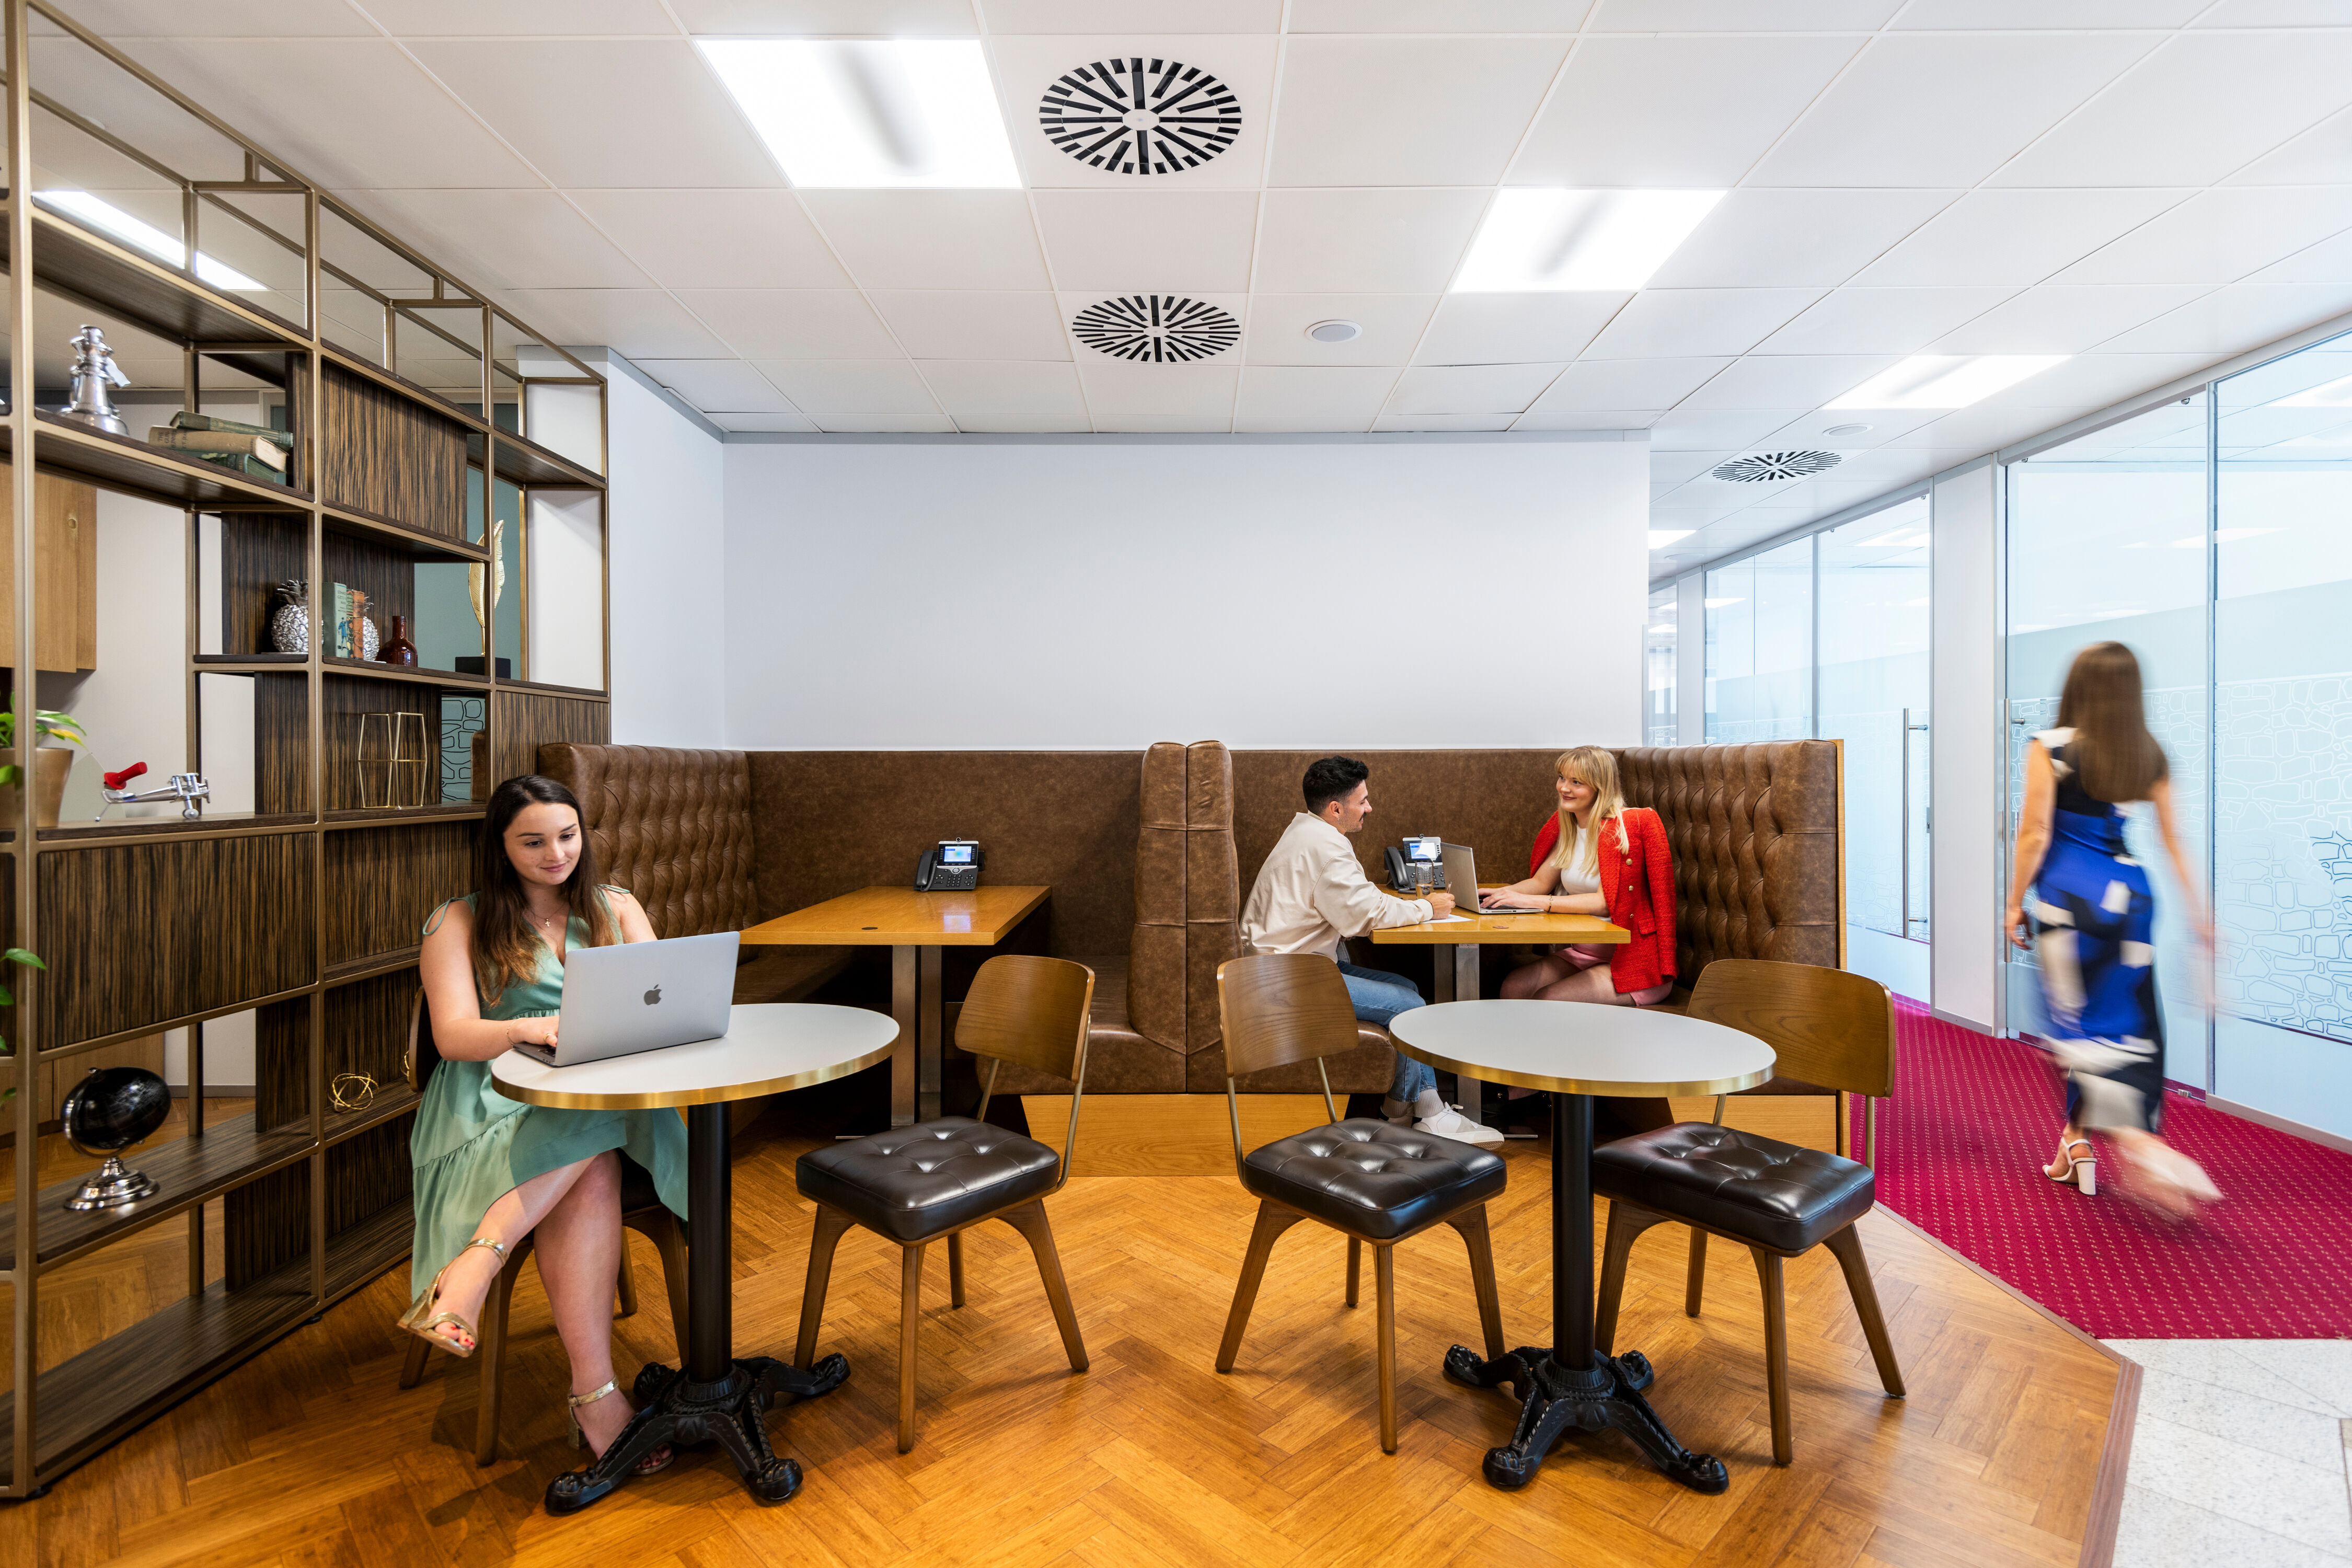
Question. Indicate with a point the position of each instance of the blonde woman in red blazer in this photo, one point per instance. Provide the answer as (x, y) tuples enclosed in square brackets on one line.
[(1600, 856)]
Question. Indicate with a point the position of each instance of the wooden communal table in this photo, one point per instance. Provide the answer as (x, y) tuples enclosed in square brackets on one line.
[(914, 927), (768, 1048), (1576, 1051)]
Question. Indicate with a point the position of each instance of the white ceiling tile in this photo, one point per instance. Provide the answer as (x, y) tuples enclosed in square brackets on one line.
[(2243, 316), (1789, 239), (1786, 381), (1742, 15), (1364, 241), (728, 383), (2317, 157), (1428, 422), (1026, 67), (968, 323), (1990, 425), (1626, 383), (1074, 423), (1737, 428), (1118, 391), (641, 323), (885, 423), (822, 386), (932, 239), (691, 239), (1134, 241), (996, 390), (1674, 466), (1350, 395), (1459, 16), (2329, 261), (2014, 237), (1879, 427), (1508, 329), (1391, 323), (1880, 321), (2278, 14), (1013, 17), (513, 18), (780, 424), (555, 102), (792, 323), (829, 18), (362, 114), (2218, 236), (2135, 134), (1943, 110), (501, 239), (1470, 388), (1665, 322), (2096, 380), (1299, 424), (1674, 112), (2008, 15), (1472, 99), (1538, 419), (2065, 317), (119, 19)]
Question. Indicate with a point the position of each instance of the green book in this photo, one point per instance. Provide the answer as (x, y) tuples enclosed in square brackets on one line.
[(251, 467), (184, 420), (343, 621)]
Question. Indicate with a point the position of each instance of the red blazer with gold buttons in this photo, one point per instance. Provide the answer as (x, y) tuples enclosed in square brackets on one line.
[(1637, 879)]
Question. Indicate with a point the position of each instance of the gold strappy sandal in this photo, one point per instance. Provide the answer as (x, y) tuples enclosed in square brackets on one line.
[(421, 1320), (657, 1460)]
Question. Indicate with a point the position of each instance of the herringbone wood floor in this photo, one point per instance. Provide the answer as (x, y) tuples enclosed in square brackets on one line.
[(311, 1455)]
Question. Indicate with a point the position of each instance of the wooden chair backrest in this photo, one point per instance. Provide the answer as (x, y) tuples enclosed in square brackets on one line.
[(1031, 1010), (1829, 1026), (1279, 1008)]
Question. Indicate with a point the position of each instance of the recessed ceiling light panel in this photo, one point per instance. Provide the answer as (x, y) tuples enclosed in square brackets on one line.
[(1659, 539), (1156, 328), (1944, 381), (1336, 332), (871, 114), (1766, 466), (1139, 116), (1546, 241), (108, 218)]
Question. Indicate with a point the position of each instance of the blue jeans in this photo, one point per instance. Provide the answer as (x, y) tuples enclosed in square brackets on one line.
[(1379, 997)]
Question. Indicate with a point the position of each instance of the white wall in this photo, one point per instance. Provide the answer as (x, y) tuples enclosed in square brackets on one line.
[(566, 568), (1967, 763), (1090, 592), (129, 714)]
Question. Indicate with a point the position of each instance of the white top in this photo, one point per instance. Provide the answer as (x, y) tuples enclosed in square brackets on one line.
[(1311, 895), (1583, 1047), (769, 1047), (1570, 882)]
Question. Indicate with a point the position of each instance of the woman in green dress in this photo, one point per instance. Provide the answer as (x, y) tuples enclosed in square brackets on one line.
[(489, 1169)]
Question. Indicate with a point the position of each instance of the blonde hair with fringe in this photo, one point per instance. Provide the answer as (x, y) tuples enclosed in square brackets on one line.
[(1598, 768)]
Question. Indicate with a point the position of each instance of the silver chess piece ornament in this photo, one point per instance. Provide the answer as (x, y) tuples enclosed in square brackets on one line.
[(93, 370)]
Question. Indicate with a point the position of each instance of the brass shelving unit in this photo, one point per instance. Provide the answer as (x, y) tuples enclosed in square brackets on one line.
[(305, 911)]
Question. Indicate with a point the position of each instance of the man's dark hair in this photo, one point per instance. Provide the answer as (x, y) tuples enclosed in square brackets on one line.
[(1330, 778)]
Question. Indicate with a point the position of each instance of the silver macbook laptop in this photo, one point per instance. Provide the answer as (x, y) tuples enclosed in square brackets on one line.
[(641, 996), (1462, 881)]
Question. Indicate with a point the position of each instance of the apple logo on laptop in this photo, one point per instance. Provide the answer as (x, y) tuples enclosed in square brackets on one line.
[(652, 997)]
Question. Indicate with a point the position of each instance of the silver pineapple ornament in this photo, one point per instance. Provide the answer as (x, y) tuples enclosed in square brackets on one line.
[(94, 369), (290, 627)]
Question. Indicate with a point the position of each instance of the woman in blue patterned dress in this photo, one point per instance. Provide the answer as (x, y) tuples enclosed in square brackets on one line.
[(2092, 923)]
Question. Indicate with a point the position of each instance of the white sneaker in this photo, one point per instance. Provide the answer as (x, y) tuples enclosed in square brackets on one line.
[(1452, 1123)]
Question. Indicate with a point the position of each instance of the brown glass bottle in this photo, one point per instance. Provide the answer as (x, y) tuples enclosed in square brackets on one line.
[(399, 650)]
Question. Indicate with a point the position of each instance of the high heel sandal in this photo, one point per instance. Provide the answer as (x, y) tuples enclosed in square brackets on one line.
[(2083, 1170), (2180, 1183), (421, 1320), (660, 1459)]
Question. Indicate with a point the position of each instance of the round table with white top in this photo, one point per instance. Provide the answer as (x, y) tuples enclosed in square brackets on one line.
[(768, 1047), (1574, 1050)]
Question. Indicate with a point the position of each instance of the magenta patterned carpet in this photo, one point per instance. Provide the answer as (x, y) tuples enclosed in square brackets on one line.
[(1960, 1148)]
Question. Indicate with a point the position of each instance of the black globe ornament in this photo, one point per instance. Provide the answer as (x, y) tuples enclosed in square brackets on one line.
[(107, 1111)]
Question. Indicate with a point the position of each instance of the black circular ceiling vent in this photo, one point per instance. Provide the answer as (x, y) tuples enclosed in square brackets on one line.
[(1158, 329), (1137, 117), (1775, 466)]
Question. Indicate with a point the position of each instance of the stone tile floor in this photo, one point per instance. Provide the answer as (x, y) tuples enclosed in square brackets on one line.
[(2242, 1454)]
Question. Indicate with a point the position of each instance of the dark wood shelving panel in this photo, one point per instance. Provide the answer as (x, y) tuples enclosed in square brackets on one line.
[(374, 964), (174, 826), (229, 663), (369, 669), (120, 462), (447, 810), (392, 1101), (360, 367), (418, 547), (522, 462), (84, 264), (187, 1170)]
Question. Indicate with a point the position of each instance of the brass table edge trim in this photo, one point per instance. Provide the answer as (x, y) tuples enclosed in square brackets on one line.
[(658, 1099), (1612, 1087), (923, 938), (1481, 936)]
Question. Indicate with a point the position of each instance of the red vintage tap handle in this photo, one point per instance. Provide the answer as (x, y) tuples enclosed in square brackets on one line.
[(117, 781)]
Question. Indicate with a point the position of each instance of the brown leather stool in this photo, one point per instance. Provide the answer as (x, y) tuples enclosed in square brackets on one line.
[(1777, 1199), (1366, 1178), (914, 1184)]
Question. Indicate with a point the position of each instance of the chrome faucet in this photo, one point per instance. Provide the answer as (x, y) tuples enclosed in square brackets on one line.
[(186, 788)]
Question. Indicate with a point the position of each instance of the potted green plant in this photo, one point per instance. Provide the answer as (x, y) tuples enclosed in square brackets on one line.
[(50, 767), (9, 999)]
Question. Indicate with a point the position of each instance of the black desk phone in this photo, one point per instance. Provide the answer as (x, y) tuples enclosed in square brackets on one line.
[(1418, 867), (953, 866)]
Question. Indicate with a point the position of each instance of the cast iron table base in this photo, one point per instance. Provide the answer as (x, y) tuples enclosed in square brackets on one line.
[(1572, 1385)]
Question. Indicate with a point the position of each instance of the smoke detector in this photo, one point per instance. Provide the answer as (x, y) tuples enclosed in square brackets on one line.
[(1135, 116), (1156, 328), (1774, 466)]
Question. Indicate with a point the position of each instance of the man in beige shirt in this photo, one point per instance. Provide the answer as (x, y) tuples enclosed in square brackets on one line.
[(1311, 895)]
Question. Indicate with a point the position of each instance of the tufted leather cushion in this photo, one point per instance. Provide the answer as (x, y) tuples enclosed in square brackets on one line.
[(673, 826), (1757, 1188), (1373, 1179), (911, 1183)]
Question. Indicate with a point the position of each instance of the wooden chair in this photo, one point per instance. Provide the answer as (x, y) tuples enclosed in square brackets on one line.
[(914, 1184), (642, 1210), (1367, 1179), (1828, 1027)]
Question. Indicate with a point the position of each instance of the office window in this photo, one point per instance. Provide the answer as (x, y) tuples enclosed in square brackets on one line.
[(1759, 646), (1658, 720)]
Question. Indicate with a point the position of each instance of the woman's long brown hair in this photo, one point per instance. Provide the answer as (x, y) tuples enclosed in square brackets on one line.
[(506, 945), (2116, 759)]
